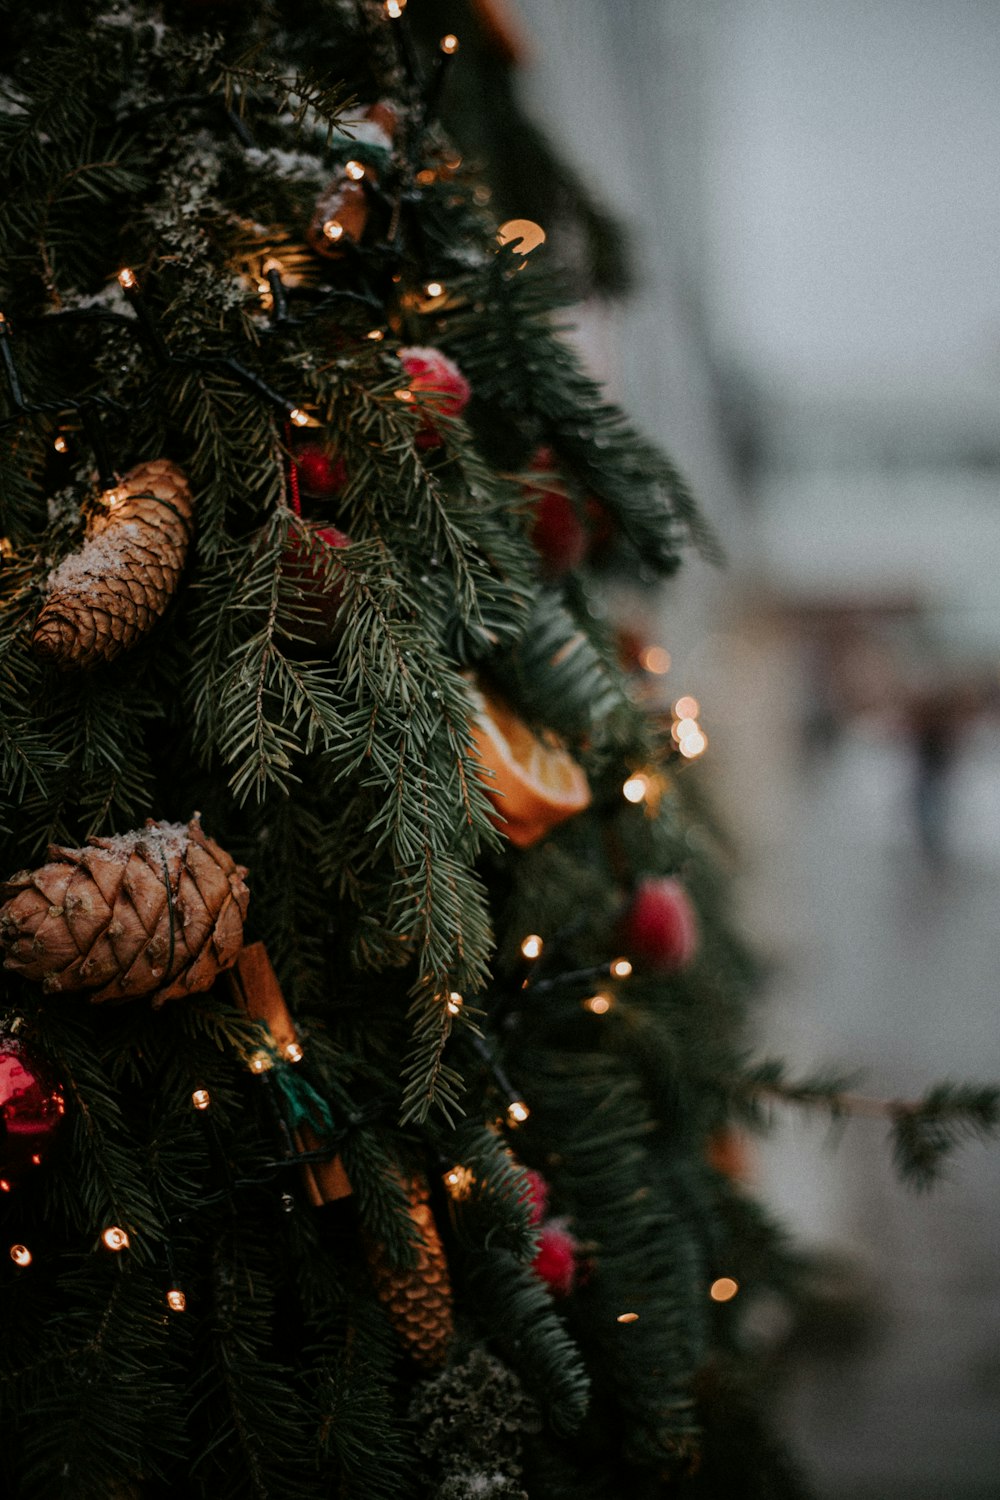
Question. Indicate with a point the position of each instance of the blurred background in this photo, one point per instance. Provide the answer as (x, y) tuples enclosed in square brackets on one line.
[(810, 197)]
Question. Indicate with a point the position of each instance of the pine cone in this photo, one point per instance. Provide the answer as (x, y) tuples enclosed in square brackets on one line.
[(158, 911), (418, 1301), (104, 597)]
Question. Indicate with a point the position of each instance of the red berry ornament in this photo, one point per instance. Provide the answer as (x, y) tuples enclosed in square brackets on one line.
[(438, 385), (537, 1196), (555, 1260), (320, 475), (30, 1111), (661, 927)]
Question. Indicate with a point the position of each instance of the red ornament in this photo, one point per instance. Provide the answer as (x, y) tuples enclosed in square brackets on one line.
[(537, 1196), (30, 1111), (321, 476), (661, 926), (555, 1260), (305, 564), (438, 385), (562, 536)]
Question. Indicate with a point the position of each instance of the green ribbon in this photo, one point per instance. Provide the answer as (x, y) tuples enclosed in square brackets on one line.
[(303, 1105)]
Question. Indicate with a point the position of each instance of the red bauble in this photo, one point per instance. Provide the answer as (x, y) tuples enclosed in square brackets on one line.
[(30, 1111), (320, 475), (558, 533), (305, 564), (537, 1196), (555, 1260), (660, 925), (438, 384)]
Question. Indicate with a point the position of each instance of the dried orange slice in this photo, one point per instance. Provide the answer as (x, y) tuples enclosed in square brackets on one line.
[(536, 783)]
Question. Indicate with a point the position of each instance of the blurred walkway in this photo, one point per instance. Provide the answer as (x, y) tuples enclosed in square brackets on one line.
[(887, 966)]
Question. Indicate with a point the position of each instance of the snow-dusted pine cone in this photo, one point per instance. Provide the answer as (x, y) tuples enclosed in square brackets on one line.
[(104, 597), (418, 1301), (158, 911)]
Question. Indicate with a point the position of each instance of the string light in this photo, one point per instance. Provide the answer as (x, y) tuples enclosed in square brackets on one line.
[(723, 1289), (656, 659), (426, 176), (21, 1255), (532, 945), (128, 280), (333, 229), (298, 416), (434, 289), (598, 1005), (621, 968), (293, 1052), (36, 1160), (375, 334), (394, 9), (114, 495), (687, 708), (201, 1098), (61, 445), (459, 1181), (692, 745), (4, 1185), (454, 1003), (636, 788), (176, 1300), (115, 1238), (517, 1112), (449, 44), (523, 235), (627, 1318), (354, 170), (403, 395), (261, 1062)]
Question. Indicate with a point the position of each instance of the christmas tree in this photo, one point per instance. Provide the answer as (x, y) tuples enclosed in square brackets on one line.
[(373, 1029)]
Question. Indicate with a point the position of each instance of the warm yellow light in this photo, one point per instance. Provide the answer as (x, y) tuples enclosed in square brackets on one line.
[(261, 1062), (201, 1098), (532, 945), (60, 444), (375, 334), (293, 1052), (176, 1299), (459, 1180), (454, 1003), (20, 1255), (635, 788), (4, 1185), (114, 496), (355, 171), (434, 289), (449, 44), (36, 1160), (115, 1238), (687, 708), (403, 394), (426, 176), (627, 1318), (298, 416), (127, 279), (517, 1112), (523, 234), (394, 9), (693, 744), (621, 968), (723, 1289), (683, 727), (333, 229), (598, 1005), (656, 659)]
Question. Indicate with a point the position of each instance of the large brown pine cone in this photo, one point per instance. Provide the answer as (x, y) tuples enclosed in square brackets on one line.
[(104, 597), (158, 911), (418, 1301)]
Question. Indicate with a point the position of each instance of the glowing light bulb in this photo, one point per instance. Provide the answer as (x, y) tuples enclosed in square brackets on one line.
[(36, 1160), (115, 1238), (459, 1180), (627, 1318), (128, 280), (403, 395), (293, 1052), (656, 659), (687, 708), (261, 1062), (394, 9), (517, 1112), (454, 1003), (114, 496), (598, 1005), (434, 289), (21, 1255), (375, 334), (4, 1185), (692, 745), (176, 1299), (635, 788), (621, 968), (60, 444), (298, 416), (426, 176), (684, 727), (201, 1099), (532, 945), (449, 44), (333, 229), (523, 235), (723, 1289), (354, 170)]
